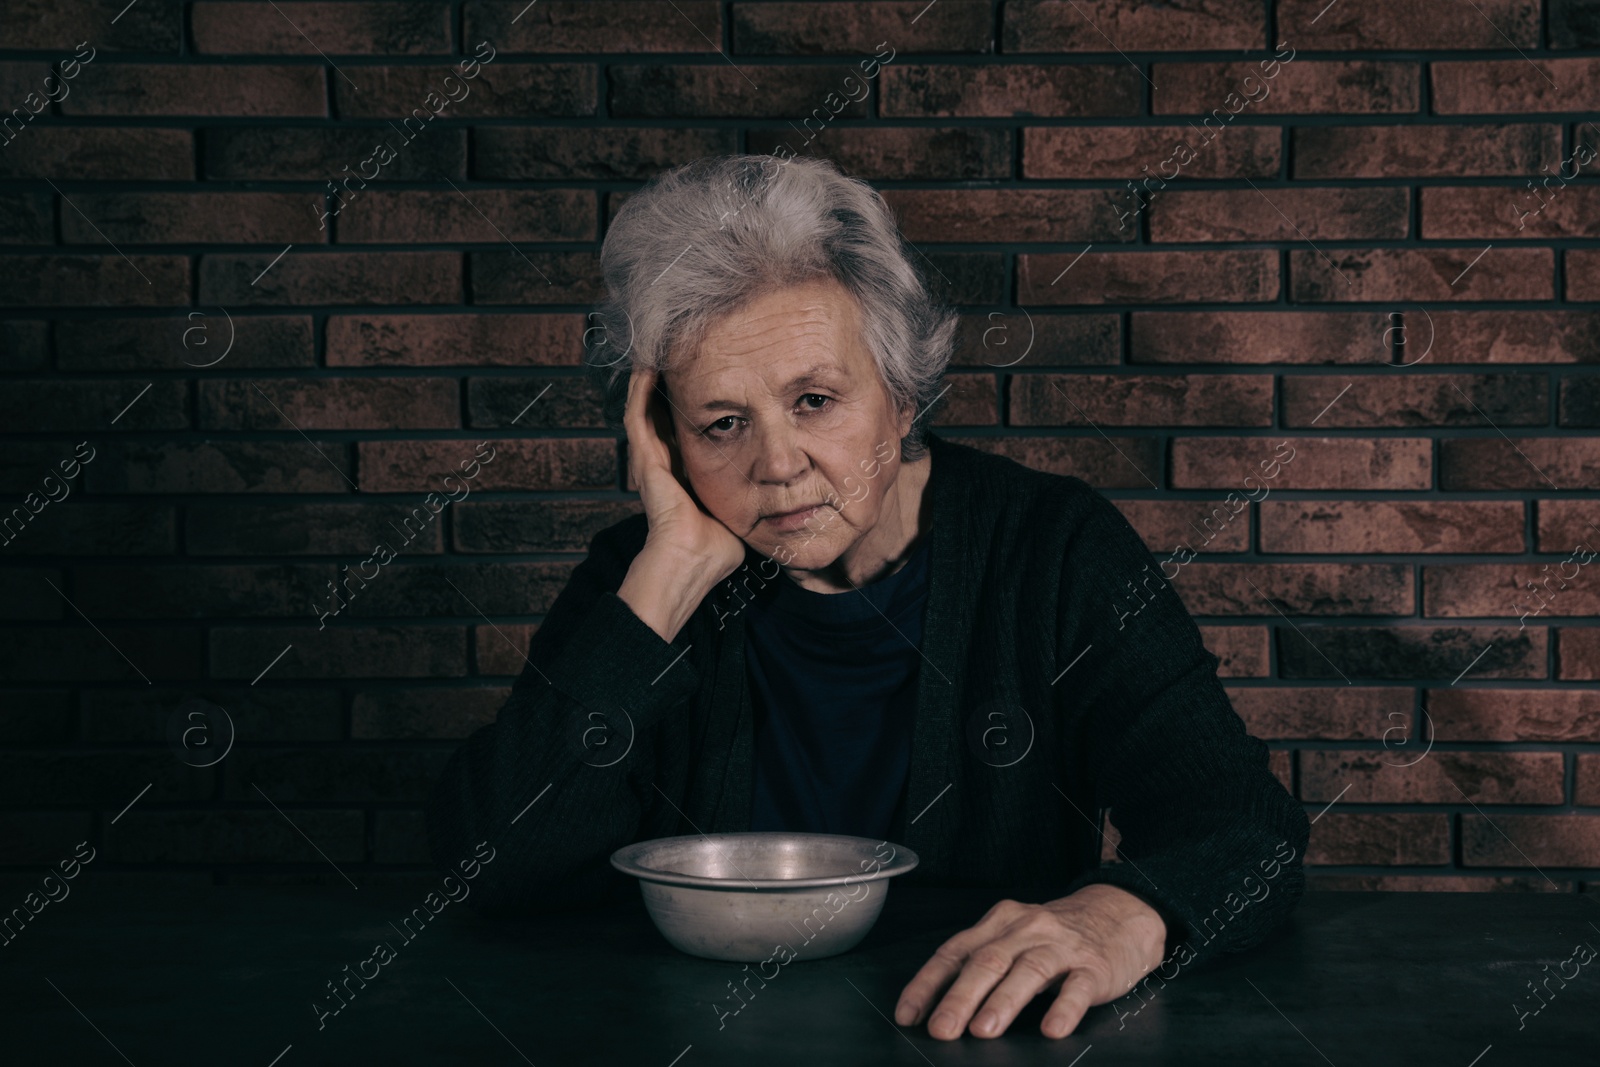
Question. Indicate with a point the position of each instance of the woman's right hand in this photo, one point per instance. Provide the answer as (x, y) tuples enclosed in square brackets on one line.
[(679, 527)]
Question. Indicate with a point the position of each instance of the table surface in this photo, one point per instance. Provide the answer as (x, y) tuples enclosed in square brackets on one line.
[(229, 975)]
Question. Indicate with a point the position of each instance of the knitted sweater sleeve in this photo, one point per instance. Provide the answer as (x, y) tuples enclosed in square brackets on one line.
[(543, 785), (1209, 836)]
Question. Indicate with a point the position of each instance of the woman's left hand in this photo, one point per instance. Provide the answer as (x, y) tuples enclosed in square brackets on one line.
[(1094, 944)]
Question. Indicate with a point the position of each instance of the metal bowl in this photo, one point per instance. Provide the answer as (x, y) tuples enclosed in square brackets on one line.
[(745, 896)]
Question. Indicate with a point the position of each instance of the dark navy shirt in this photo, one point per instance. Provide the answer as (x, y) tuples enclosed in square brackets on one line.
[(833, 680)]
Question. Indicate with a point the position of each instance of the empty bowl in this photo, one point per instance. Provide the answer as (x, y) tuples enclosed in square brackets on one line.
[(742, 896)]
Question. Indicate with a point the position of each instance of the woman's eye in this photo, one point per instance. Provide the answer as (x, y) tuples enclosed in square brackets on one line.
[(716, 428), (815, 396)]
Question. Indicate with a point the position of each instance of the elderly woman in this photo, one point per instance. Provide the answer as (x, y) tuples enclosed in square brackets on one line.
[(830, 619)]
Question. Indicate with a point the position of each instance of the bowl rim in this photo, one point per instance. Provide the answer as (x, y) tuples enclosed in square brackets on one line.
[(626, 860)]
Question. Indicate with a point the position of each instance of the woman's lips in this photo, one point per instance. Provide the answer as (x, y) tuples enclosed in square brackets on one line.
[(793, 520)]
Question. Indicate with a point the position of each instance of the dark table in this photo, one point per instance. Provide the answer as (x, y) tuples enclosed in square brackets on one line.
[(229, 976)]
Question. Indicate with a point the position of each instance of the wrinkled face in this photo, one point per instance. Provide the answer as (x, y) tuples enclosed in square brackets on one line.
[(781, 409)]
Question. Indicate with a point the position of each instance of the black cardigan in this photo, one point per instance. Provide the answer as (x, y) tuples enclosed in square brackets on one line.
[(1029, 627)]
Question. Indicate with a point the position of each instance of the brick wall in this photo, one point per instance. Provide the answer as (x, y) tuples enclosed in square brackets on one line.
[(1376, 245)]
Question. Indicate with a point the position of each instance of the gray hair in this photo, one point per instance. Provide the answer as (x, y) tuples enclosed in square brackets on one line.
[(703, 239)]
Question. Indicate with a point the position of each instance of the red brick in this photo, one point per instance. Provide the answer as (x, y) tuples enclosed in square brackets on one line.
[(87, 529), (1580, 400), (331, 278), (1402, 399), (1501, 840), (61, 25), (1296, 588), (1348, 838), (1132, 151), (234, 218), (1391, 526), (1012, 90), (342, 29), (901, 153), (103, 153), (1403, 777), (1243, 651), (1501, 589), (32, 653), (501, 90), (1587, 791), (1578, 653), (482, 339), (835, 28), (1573, 24), (1105, 463), (1142, 400), (1507, 336), (280, 529), (1377, 25), (296, 466), (339, 652), (601, 152), (1517, 212), (260, 153), (612, 26), (1516, 86), (253, 91), (26, 219), (1409, 151), (1565, 526), (1570, 463), (1441, 883), (1583, 273), (436, 714), (239, 836), (470, 215), (38, 406), (1301, 86), (1412, 652), (1147, 277), (328, 404), (721, 90), (535, 525), (535, 277), (1315, 463), (570, 402), (501, 650), (971, 400), (1550, 715), (94, 280), (1279, 214), (201, 337), (360, 774), (26, 593), (199, 591), (1091, 26), (1259, 337), (1010, 215), (1413, 274), (430, 588), (518, 463), (1161, 523), (1022, 339), (259, 713), (1325, 713)]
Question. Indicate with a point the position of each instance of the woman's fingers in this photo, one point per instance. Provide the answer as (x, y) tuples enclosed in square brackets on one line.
[(1033, 971), (986, 970), (1077, 996), (947, 961)]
